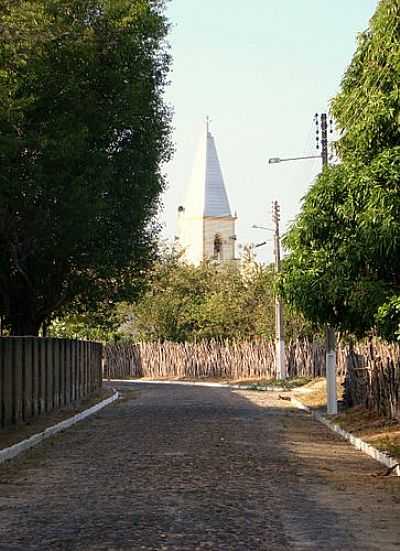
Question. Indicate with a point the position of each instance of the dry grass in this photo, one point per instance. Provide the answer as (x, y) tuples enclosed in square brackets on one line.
[(313, 394), (268, 384), (378, 431)]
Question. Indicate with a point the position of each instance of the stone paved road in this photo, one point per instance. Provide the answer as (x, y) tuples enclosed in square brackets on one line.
[(194, 468)]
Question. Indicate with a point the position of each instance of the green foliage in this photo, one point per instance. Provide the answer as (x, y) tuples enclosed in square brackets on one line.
[(344, 257), (344, 260), (388, 319), (184, 303), (77, 322), (83, 132), (79, 327), (367, 107)]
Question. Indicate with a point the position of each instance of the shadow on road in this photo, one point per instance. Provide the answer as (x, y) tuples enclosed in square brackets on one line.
[(181, 467)]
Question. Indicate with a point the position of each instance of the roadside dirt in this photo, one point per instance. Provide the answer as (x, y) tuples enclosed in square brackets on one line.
[(14, 434), (382, 433)]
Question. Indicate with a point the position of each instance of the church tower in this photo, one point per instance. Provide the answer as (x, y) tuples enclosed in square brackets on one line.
[(206, 227)]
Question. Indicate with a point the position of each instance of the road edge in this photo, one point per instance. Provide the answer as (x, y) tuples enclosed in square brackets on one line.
[(355, 441), (9, 453), (194, 383)]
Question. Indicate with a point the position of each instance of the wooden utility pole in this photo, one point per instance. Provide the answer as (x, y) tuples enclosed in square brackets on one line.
[(279, 323), (330, 336)]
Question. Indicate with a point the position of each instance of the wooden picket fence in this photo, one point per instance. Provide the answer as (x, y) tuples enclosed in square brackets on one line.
[(373, 377), (38, 375), (234, 360)]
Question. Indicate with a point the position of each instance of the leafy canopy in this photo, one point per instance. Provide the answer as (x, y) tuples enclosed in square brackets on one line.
[(184, 303), (367, 106), (345, 244), (83, 133)]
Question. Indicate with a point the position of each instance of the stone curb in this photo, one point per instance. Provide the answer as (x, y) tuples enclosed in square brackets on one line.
[(9, 453), (359, 444), (192, 383)]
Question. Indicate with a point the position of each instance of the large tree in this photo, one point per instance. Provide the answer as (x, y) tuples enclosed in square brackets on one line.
[(344, 261), (84, 131)]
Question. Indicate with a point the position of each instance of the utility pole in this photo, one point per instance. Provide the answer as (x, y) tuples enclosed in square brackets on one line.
[(279, 324), (330, 336), (321, 129)]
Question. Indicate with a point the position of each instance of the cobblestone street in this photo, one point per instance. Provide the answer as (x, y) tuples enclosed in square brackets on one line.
[(186, 468)]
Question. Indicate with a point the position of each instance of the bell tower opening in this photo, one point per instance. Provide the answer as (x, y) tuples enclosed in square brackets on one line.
[(218, 249)]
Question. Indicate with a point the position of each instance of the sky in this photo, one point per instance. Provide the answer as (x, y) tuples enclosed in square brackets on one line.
[(260, 70)]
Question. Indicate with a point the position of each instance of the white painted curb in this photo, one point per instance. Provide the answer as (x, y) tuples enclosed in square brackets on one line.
[(193, 383), (8, 453), (359, 444)]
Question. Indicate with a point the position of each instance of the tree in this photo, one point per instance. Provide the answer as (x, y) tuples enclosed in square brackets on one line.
[(186, 303), (83, 133), (367, 106), (166, 310), (339, 269), (95, 326), (344, 261)]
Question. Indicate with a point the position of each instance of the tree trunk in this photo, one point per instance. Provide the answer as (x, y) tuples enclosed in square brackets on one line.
[(22, 315), (22, 319), (24, 326)]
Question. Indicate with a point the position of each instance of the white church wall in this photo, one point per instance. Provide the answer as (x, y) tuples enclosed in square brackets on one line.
[(191, 239), (225, 228)]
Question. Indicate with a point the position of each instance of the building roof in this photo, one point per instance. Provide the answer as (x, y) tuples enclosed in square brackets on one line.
[(206, 195)]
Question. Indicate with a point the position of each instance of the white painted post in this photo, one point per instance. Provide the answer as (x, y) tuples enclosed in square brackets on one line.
[(280, 359), (331, 392)]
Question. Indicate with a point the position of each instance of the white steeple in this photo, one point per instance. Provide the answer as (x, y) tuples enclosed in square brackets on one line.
[(206, 195), (206, 226)]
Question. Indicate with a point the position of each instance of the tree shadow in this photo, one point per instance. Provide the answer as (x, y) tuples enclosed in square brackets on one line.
[(176, 466)]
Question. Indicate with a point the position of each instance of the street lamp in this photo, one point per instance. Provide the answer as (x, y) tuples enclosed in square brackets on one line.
[(330, 332), (256, 227), (275, 160)]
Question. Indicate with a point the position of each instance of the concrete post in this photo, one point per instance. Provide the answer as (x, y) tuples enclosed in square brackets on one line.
[(331, 390)]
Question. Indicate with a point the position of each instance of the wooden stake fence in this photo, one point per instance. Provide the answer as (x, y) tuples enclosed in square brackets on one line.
[(232, 360), (373, 377), (372, 369)]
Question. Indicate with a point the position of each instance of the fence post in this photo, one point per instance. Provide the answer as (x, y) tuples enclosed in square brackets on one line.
[(2, 423), (27, 404), (35, 377), (50, 376), (43, 375), (18, 390), (7, 382), (68, 373), (55, 345)]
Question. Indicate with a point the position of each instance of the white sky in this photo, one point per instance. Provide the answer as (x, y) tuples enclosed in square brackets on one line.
[(260, 69)]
